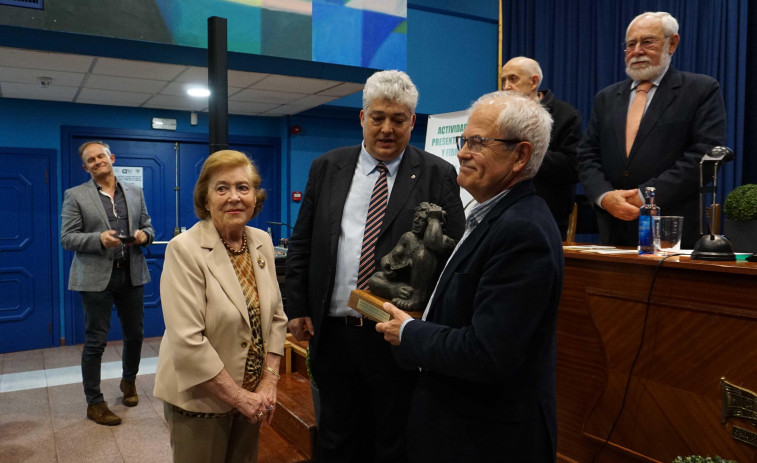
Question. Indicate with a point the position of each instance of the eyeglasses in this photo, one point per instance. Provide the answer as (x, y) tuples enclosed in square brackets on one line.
[(475, 142), (646, 44)]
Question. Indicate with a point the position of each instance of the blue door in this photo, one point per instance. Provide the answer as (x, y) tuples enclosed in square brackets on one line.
[(28, 247), (169, 172), (156, 158)]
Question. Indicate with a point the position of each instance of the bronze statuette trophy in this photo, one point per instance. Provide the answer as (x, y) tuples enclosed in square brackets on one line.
[(408, 274)]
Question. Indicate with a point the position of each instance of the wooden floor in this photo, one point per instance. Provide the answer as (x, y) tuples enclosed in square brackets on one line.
[(43, 413)]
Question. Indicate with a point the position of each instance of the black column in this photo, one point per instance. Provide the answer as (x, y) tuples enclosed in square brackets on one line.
[(218, 102)]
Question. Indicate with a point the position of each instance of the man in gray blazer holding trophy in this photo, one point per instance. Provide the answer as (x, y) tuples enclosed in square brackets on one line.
[(105, 223)]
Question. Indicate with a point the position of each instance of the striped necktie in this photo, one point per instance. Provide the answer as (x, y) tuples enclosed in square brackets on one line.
[(376, 212)]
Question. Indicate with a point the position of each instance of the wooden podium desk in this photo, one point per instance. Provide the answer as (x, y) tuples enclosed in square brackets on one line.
[(701, 326)]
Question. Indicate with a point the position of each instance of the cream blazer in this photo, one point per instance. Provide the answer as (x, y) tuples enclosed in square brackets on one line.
[(207, 324)]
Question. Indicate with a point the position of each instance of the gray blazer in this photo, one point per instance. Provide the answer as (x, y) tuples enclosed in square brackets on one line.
[(83, 218)]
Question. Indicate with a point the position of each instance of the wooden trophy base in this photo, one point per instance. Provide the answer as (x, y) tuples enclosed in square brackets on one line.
[(371, 306)]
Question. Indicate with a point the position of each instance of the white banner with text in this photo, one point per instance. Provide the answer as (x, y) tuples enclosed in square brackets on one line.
[(440, 140)]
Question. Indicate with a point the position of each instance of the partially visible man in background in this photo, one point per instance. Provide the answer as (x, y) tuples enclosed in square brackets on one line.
[(558, 174)]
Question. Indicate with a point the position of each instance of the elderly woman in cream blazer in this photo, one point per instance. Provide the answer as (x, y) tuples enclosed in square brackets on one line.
[(225, 325)]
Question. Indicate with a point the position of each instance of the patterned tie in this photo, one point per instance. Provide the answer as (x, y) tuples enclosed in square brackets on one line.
[(635, 112), (376, 211)]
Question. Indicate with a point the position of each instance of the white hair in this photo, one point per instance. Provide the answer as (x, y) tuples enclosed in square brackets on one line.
[(669, 23), (521, 118), (394, 86)]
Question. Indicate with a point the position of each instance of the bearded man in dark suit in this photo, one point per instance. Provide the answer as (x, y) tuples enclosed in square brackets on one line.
[(682, 116)]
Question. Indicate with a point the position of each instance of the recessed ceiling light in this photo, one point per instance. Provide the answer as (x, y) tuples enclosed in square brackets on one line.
[(198, 92)]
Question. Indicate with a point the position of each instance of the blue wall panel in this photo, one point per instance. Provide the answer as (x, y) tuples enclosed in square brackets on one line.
[(488, 10), (452, 60), (377, 29), (336, 44), (32, 123)]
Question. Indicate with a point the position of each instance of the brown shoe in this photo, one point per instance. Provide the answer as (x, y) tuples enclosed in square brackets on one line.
[(101, 414), (130, 393)]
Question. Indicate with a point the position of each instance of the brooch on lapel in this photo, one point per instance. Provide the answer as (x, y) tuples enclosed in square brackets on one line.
[(261, 262)]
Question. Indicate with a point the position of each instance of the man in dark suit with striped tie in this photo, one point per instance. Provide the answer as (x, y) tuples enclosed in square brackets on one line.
[(358, 202)]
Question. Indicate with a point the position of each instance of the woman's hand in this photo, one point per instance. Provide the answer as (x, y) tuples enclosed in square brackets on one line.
[(269, 382), (253, 405), (267, 389)]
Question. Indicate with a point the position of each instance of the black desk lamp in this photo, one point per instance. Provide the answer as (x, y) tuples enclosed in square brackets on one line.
[(712, 246)]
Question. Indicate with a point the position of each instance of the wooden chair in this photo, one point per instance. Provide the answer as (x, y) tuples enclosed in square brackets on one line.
[(572, 223)]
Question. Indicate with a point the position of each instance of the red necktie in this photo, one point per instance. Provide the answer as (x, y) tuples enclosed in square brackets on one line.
[(373, 221), (635, 112)]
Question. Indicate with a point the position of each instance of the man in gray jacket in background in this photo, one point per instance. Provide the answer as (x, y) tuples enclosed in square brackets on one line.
[(105, 223)]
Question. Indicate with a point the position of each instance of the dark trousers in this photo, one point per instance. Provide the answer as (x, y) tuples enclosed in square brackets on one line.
[(129, 302), (364, 396), (448, 425)]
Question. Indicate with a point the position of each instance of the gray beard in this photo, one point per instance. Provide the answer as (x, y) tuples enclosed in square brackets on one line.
[(650, 72)]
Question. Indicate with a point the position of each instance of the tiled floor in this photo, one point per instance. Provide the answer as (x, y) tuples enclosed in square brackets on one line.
[(43, 411)]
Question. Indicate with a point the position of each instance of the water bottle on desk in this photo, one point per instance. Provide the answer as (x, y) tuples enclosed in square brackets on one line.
[(649, 219)]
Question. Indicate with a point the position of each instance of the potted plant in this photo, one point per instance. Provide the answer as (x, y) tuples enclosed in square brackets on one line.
[(698, 459), (740, 208)]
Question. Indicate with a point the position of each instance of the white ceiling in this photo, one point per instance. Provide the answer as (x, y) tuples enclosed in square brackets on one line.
[(119, 82)]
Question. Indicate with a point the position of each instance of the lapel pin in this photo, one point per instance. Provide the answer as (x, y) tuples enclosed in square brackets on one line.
[(261, 262), (412, 176)]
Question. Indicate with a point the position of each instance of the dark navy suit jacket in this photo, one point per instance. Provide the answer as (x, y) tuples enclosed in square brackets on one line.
[(488, 350)]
